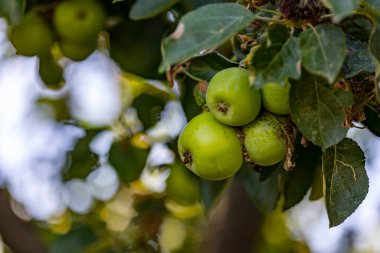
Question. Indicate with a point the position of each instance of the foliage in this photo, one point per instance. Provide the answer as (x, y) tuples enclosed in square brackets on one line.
[(331, 59)]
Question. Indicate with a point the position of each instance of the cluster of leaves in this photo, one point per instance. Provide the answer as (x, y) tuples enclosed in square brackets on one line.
[(331, 59)]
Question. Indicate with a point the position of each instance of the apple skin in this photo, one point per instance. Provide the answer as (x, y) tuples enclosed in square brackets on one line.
[(32, 36), (76, 51), (209, 148), (264, 140), (275, 98), (79, 20), (232, 99)]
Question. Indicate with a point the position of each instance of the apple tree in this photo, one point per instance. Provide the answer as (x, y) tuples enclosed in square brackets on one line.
[(268, 89)]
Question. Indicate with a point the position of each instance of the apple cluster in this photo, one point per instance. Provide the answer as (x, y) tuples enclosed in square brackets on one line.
[(212, 143), (73, 24)]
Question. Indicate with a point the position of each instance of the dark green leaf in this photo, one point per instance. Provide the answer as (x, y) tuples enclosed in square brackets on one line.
[(346, 180), (299, 180), (143, 9), (340, 8), (372, 120), (323, 50), (12, 10), (127, 160), (317, 191), (205, 67), (267, 171), (358, 27), (374, 48), (279, 61), (202, 30), (319, 110), (263, 194), (358, 59)]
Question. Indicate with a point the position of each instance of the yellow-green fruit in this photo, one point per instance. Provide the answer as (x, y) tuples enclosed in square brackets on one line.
[(276, 98), (32, 36), (79, 20), (209, 148), (232, 99), (182, 186), (264, 140), (76, 51), (51, 73)]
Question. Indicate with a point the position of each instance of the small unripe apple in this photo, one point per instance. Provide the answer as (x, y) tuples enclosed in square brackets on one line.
[(50, 72), (78, 20), (232, 99), (276, 98), (209, 148), (76, 51), (264, 140), (182, 186), (32, 36)]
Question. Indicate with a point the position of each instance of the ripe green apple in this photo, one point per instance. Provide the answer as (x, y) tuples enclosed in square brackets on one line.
[(232, 99), (182, 186), (209, 148), (276, 98), (264, 140), (32, 36), (79, 20), (76, 51)]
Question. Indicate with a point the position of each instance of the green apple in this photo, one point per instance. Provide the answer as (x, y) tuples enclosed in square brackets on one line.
[(276, 98), (76, 51), (210, 149), (232, 99), (182, 186), (79, 20), (32, 36), (264, 140)]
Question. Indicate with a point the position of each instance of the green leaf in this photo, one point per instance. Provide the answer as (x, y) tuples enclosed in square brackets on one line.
[(12, 10), (279, 61), (374, 5), (346, 180), (299, 180), (340, 8), (206, 66), (143, 9), (201, 30), (323, 50), (358, 59), (372, 120), (374, 48), (263, 194), (319, 110), (317, 191)]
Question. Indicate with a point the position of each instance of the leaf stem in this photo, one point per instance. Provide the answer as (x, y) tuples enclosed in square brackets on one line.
[(261, 18), (267, 10)]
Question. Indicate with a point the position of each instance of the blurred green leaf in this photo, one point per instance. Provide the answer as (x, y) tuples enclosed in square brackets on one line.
[(323, 50), (374, 48), (299, 180), (319, 110), (346, 180), (317, 191), (263, 194), (211, 192), (340, 8), (201, 30), (12, 10), (206, 66), (127, 160), (143, 9), (279, 61), (374, 5)]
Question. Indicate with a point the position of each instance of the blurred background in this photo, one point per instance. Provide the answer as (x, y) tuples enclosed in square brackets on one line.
[(92, 166)]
